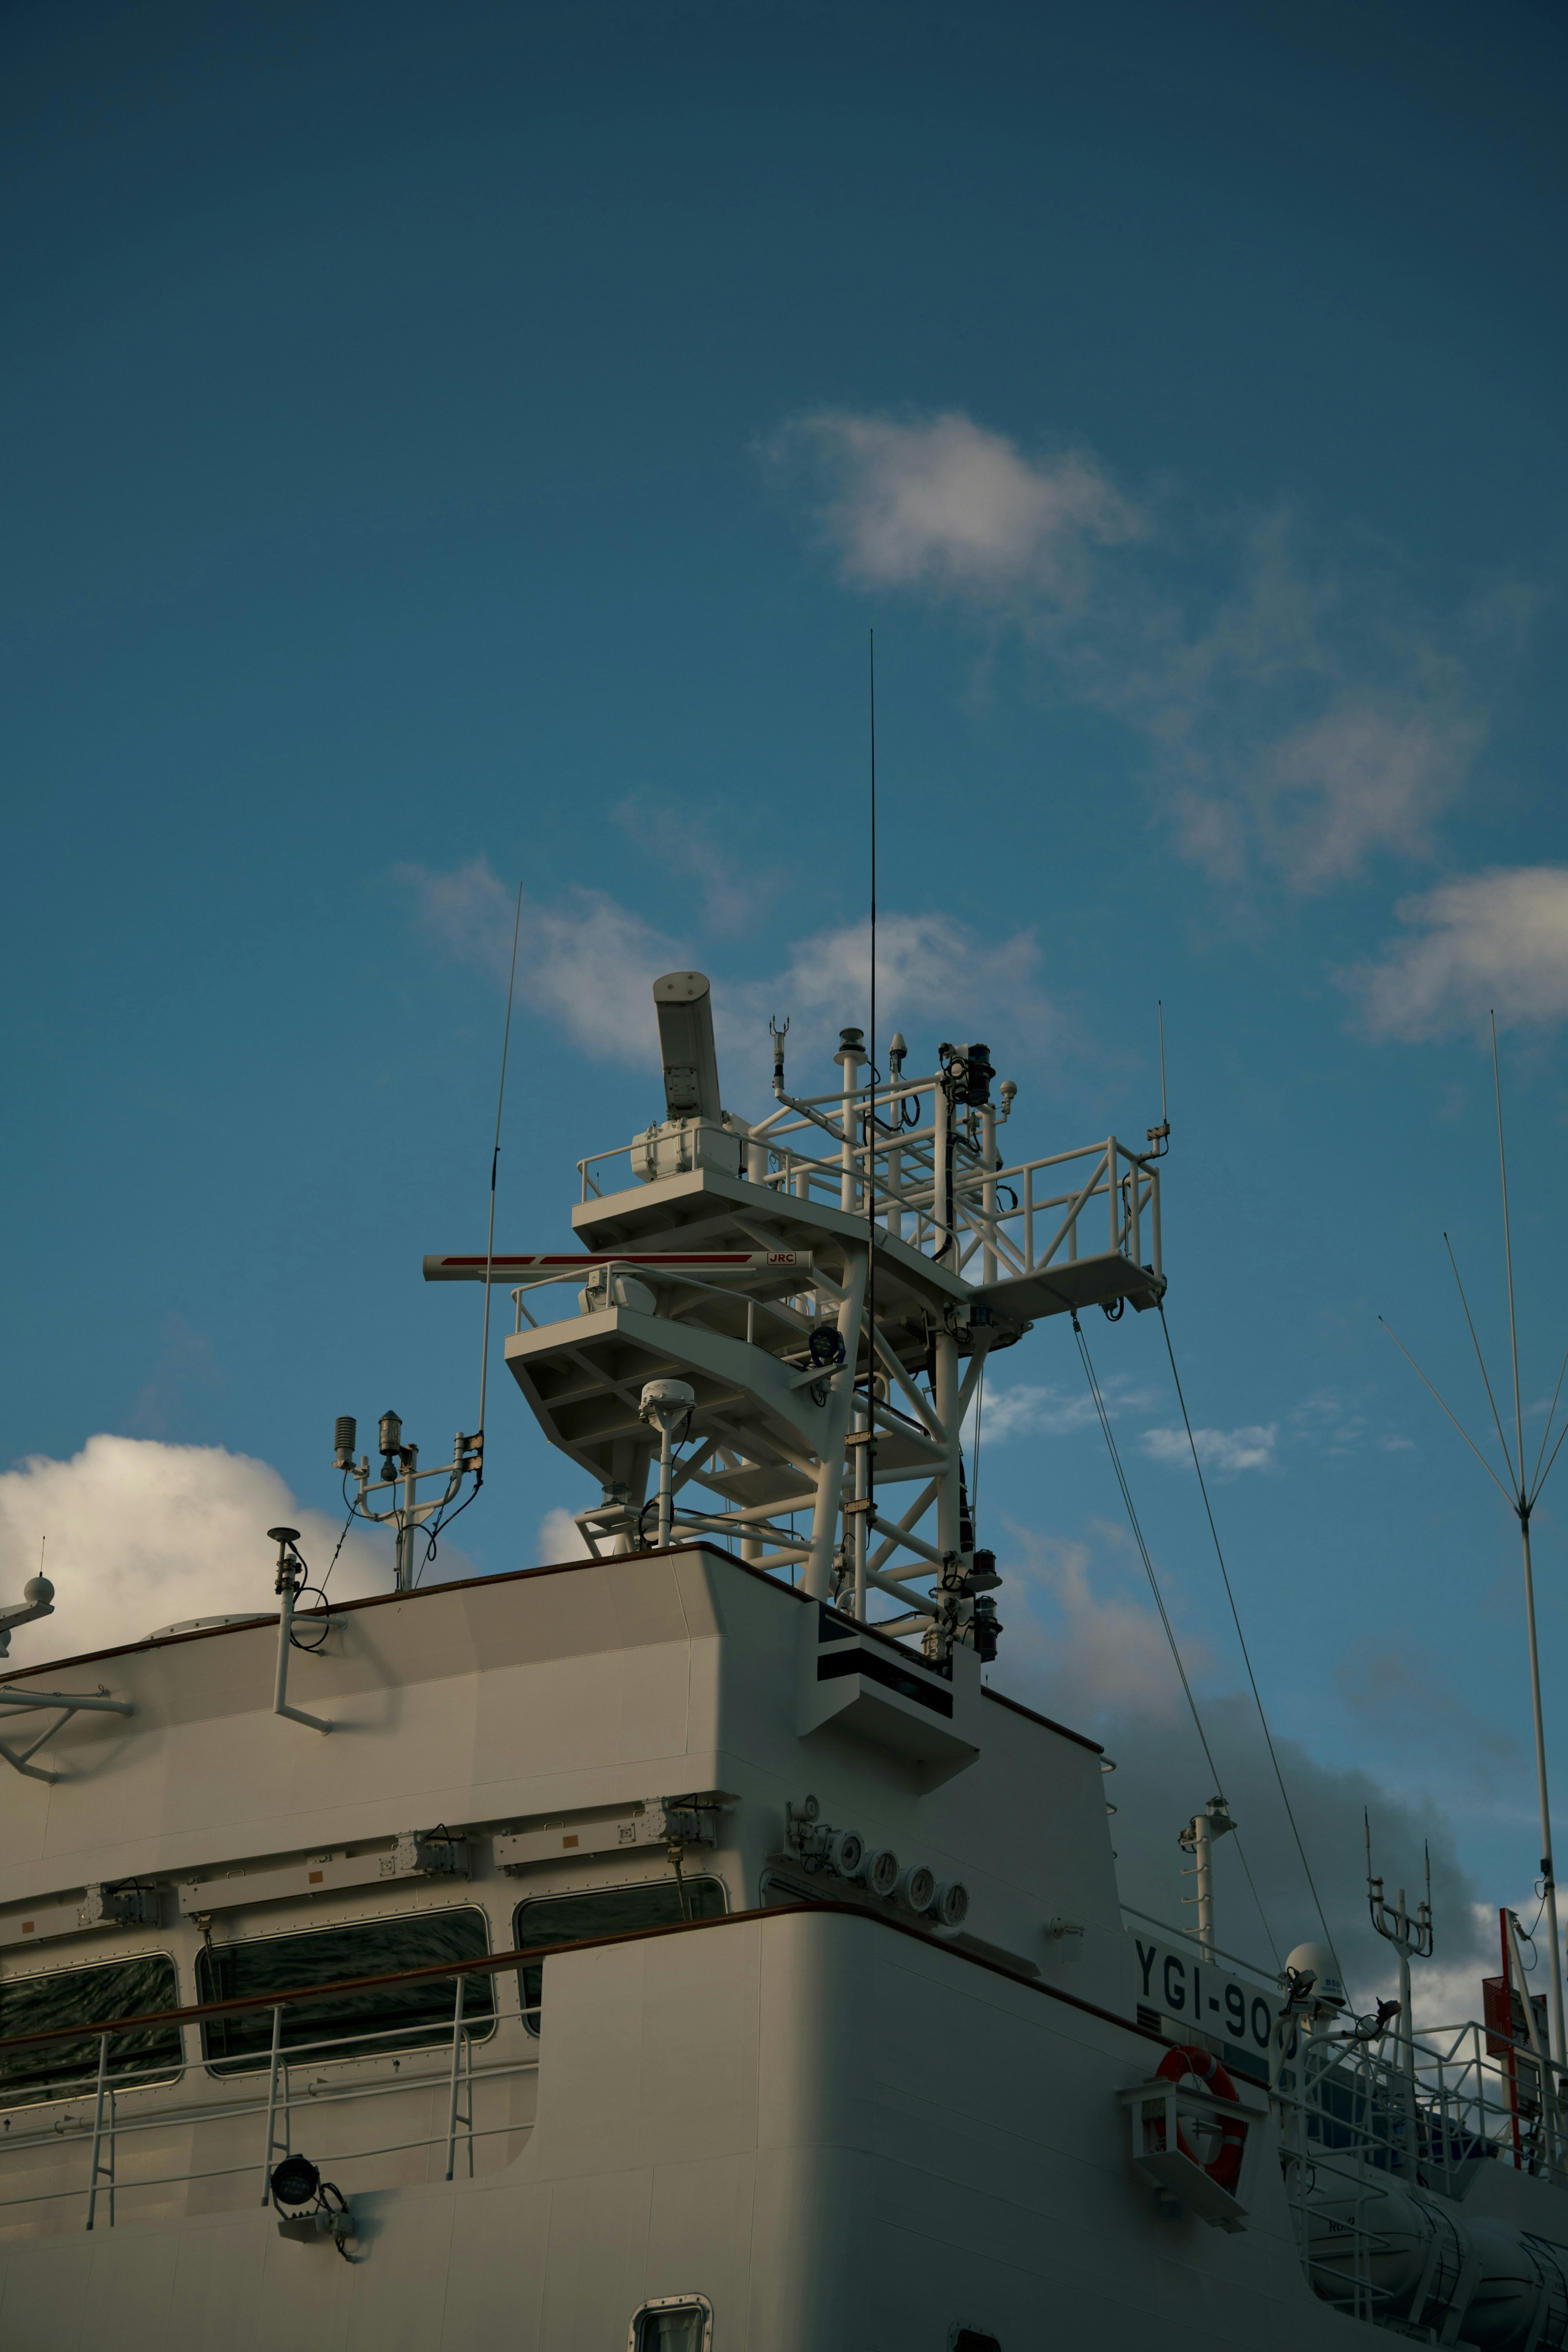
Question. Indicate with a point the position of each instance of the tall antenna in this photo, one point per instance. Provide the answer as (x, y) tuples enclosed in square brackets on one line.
[(1520, 1494), (864, 1536), (1508, 1255), (495, 1155)]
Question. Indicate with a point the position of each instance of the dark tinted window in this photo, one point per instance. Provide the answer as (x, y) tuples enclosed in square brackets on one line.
[(401, 2017), (608, 1911), (88, 1996)]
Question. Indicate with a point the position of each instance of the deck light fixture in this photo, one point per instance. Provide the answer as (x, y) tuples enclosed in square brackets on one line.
[(296, 2180)]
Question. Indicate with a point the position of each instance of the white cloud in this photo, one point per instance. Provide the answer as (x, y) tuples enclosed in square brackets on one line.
[(1226, 1451), (1050, 1411), (1496, 941), (1084, 1645), (1302, 720), (142, 1534), (1359, 779), (587, 965), (945, 504), (1105, 1647), (586, 962), (560, 1538), (935, 979)]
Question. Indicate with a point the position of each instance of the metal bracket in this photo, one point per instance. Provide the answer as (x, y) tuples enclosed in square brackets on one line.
[(14, 1700), (692, 1819)]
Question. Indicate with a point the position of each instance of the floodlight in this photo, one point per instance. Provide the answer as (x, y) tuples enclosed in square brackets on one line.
[(296, 2180)]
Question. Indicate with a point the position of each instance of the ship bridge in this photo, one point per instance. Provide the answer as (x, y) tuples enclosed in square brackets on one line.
[(788, 1320)]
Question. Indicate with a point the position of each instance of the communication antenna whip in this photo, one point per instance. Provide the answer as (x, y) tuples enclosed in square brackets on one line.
[(495, 1155), (864, 1533), (1521, 1493)]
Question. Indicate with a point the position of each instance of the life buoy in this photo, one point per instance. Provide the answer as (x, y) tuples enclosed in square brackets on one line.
[(1224, 2167)]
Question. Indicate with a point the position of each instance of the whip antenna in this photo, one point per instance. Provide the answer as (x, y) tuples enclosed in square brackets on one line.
[(495, 1155), (865, 1533), (1508, 1259), (1521, 1494)]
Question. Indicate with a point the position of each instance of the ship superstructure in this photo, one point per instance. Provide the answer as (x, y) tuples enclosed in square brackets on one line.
[(691, 1946)]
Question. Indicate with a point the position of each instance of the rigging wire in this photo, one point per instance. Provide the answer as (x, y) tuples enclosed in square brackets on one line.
[(1104, 1418), (1246, 1654)]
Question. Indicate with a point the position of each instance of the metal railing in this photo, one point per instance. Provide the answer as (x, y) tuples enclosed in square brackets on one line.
[(1359, 2123), (447, 2045), (1458, 2094), (1014, 1216)]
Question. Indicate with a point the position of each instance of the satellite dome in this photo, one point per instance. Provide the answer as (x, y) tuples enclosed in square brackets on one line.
[(1328, 1985)]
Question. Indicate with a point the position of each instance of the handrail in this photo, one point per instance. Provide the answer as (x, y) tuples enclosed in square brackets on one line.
[(197, 2011)]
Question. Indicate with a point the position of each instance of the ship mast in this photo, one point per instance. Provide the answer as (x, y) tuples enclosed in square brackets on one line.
[(736, 1257)]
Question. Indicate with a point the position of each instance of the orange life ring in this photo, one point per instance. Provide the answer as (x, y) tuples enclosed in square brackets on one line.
[(1225, 2169)]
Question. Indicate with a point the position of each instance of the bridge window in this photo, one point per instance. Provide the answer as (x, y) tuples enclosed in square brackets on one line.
[(607, 1911), (379, 2018), (90, 1996)]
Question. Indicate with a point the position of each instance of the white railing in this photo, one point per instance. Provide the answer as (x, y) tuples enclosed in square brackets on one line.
[(426, 2056), (1361, 2122), (941, 1184)]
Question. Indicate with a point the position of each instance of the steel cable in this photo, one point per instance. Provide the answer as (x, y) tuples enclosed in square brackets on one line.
[(1246, 1654), (1104, 1418)]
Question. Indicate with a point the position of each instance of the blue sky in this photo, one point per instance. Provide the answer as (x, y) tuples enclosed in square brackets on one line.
[(457, 446)]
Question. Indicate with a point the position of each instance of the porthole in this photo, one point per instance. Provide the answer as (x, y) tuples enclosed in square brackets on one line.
[(672, 2323)]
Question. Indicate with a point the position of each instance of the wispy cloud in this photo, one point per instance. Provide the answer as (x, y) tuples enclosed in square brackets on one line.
[(1301, 721), (1225, 1451), (731, 892), (185, 1365), (1338, 1425), (1098, 1638), (1494, 941), (1024, 1412), (586, 963)]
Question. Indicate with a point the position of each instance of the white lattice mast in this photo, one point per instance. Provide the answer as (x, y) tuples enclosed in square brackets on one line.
[(735, 1257)]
